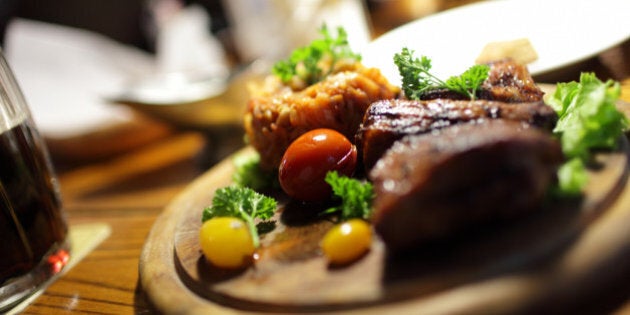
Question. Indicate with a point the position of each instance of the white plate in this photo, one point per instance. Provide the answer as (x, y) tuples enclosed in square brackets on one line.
[(562, 32)]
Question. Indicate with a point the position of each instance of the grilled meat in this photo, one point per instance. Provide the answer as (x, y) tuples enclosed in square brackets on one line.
[(511, 82), (433, 185), (390, 120), (339, 102)]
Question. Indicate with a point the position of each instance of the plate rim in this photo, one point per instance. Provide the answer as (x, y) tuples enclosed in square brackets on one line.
[(374, 57)]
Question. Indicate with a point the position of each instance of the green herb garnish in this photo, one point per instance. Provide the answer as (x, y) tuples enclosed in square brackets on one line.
[(469, 82), (572, 177), (588, 119), (356, 196), (587, 115), (243, 203), (248, 173), (314, 62), (417, 79)]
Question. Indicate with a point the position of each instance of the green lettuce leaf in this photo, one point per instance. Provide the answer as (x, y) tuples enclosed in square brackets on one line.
[(588, 116), (588, 120), (572, 177)]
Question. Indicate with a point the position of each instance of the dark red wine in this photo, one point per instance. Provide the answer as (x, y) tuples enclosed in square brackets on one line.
[(31, 221)]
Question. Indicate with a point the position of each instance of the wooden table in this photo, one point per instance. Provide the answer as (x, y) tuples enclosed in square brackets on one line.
[(128, 191)]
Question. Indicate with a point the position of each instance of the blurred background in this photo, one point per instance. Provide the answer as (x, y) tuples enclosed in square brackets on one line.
[(133, 22)]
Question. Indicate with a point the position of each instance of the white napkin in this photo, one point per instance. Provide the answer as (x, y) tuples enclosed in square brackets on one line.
[(65, 72)]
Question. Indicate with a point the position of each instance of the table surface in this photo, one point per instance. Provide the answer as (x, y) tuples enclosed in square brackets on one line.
[(129, 190)]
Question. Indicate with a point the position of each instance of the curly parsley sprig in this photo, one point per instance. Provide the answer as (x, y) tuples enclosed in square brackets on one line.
[(314, 62), (248, 173), (356, 197), (417, 79), (243, 203)]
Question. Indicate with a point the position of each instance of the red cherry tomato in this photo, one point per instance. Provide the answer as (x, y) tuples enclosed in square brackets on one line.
[(308, 159)]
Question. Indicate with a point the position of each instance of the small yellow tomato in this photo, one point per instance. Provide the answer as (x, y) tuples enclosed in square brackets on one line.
[(226, 242), (347, 241)]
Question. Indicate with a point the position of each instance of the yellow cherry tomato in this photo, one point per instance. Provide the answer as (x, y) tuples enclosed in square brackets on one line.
[(226, 242), (347, 241)]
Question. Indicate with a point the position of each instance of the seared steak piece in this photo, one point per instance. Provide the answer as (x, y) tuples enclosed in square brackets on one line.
[(433, 185), (275, 118), (511, 82), (389, 120)]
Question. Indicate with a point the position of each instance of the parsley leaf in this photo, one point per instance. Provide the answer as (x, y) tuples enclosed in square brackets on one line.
[(470, 81), (314, 62), (418, 80), (356, 196), (243, 203), (249, 174)]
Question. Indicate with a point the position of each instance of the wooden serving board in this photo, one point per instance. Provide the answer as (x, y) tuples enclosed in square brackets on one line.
[(563, 258)]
